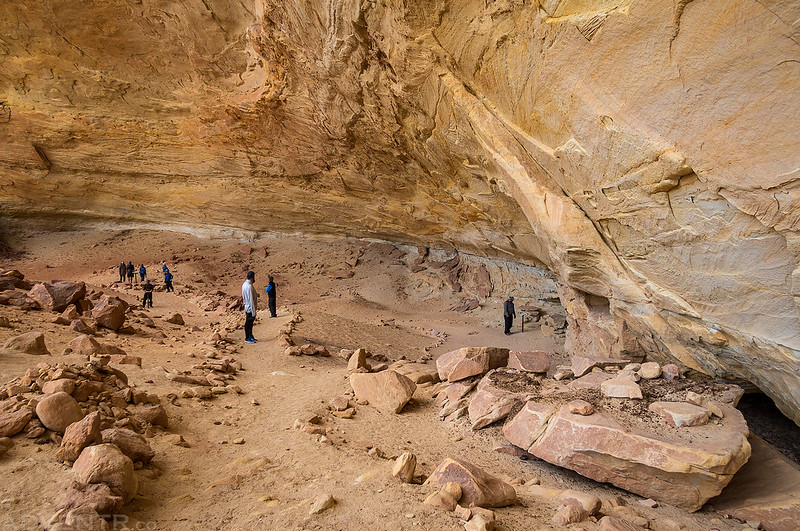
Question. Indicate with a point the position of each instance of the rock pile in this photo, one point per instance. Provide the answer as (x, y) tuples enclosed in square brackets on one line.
[(619, 423), (98, 422)]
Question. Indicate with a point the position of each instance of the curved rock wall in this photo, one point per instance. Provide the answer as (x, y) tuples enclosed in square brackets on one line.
[(646, 152)]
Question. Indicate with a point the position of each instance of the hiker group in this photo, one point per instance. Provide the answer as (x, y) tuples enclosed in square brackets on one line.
[(133, 276), (250, 300)]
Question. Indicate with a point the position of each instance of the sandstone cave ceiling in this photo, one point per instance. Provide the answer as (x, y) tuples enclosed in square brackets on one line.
[(646, 152)]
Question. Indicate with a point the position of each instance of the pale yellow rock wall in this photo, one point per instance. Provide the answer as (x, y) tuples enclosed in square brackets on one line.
[(648, 152)]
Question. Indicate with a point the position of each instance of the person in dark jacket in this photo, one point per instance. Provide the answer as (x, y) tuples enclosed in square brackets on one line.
[(270, 289), (122, 271), (129, 270), (509, 313), (148, 294), (168, 280)]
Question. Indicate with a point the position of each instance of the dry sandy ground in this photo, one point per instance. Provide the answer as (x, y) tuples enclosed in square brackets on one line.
[(268, 481)]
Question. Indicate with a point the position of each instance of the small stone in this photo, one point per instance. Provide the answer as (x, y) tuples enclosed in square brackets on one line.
[(680, 414), (621, 388), (238, 440), (670, 371), (650, 370), (404, 467), (569, 514), (321, 503), (580, 407), (340, 403), (177, 440), (5, 445), (442, 500), (649, 503), (175, 318)]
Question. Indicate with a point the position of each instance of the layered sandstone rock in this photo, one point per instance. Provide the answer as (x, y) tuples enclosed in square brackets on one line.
[(645, 152)]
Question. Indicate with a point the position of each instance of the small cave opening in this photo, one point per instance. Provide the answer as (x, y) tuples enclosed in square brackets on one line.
[(768, 422)]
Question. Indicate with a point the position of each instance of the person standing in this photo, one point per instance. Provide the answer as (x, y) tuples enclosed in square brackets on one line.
[(270, 289), (509, 313), (148, 294), (129, 270), (168, 280), (122, 271), (250, 300), (142, 272)]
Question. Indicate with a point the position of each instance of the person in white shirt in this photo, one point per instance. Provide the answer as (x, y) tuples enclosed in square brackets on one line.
[(250, 299)]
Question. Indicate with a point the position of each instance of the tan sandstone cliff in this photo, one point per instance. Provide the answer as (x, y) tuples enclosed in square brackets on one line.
[(648, 152)]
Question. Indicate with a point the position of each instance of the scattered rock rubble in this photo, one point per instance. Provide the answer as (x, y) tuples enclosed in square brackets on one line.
[(623, 424), (99, 423)]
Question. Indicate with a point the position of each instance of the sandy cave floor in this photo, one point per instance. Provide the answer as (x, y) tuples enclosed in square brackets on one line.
[(268, 481)]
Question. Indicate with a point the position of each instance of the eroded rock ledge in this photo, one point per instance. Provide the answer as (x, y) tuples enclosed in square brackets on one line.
[(646, 152)]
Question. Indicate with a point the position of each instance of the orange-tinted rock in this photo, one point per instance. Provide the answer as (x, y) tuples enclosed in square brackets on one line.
[(105, 463), (535, 361), (29, 343), (97, 496), (682, 473), (56, 296), (57, 411), (680, 414), (528, 424), (110, 312), (87, 345), (477, 487), (66, 385), (388, 391), (13, 422), (470, 361), (621, 387), (130, 443), (489, 405), (79, 435)]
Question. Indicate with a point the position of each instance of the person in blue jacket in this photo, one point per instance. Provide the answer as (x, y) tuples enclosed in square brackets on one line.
[(271, 289), (168, 280), (142, 272)]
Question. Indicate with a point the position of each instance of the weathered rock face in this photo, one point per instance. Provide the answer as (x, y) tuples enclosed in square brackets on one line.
[(644, 151)]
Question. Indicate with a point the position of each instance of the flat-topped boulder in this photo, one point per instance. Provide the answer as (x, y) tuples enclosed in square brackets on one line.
[(470, 361), (388, 391), (682, 466), (536, 361)]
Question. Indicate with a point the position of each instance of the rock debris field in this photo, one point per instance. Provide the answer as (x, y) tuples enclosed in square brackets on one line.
[(383, 396)]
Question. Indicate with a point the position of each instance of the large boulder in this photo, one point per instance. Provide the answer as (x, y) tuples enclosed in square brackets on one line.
[(57, 295), (87, 345), (682, 472), (470, 361), (110, 312), (105, 463), (388, 391), (57, 411), (477, 487), (29, 343)]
